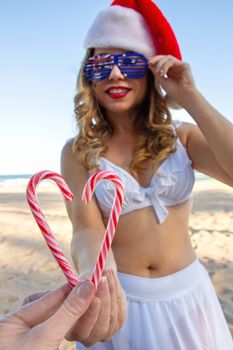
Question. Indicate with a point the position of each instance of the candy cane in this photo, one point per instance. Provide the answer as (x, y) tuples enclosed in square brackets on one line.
[(43, 225), (87, 193), (113, 219)]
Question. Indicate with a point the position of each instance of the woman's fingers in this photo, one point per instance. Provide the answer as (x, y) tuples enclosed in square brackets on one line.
[(73, 307), (158, 60), (121, 302), (102, 325), (33, 297), (94, 324), (83, 327), (160, 65), (174, 76), (38, 310), (105, 314), (113, 321)]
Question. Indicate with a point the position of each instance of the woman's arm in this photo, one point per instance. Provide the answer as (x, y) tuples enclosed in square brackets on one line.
[(210, 144), (217, 131), (88, 232), (88, 226), (199, 151)]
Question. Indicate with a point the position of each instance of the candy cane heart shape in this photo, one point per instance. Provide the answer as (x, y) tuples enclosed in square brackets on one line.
[(87, 194), (43, 225), (113, 218)]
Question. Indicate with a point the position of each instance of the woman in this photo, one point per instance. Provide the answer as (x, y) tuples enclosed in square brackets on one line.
[(126, 127)]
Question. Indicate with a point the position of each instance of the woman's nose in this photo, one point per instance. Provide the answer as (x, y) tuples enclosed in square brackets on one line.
[(116, 74)]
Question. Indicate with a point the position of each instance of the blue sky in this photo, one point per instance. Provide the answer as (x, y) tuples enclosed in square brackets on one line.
[(41, 50)]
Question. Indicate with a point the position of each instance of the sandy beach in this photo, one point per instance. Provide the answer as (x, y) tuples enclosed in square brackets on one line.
[(27, 266)]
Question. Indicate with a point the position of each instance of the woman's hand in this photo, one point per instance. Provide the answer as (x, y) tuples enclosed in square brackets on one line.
[(108, 318), (174, 76), (43, 323)]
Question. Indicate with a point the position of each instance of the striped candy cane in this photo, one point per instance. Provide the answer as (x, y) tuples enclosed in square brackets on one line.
[(113, 219), (87, 193), (43, 225)]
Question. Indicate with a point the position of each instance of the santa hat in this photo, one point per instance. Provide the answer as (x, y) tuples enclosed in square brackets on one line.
[(135, 25)]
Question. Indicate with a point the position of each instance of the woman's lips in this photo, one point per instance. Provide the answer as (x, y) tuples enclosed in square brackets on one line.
[(117, 93)]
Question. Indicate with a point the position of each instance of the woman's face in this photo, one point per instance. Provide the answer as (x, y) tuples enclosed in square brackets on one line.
[(118, 94)]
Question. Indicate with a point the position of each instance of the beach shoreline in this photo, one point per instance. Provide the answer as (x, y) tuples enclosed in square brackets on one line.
[(27, 265)]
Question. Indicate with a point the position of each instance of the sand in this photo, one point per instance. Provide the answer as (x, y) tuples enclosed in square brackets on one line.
[(26, 264)]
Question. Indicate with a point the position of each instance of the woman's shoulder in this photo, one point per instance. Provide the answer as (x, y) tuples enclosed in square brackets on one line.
[(67, 149), (69, 156), (68, 144)]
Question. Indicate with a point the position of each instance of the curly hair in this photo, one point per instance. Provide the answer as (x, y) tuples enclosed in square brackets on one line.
[(156, 140)]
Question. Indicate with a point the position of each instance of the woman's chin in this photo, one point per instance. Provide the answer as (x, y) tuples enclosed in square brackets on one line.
[(119, 108)]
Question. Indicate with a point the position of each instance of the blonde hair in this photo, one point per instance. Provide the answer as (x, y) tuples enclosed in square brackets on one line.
[(156, 140)]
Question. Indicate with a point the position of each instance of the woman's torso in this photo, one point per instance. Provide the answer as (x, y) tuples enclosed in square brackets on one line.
[(143, 246)]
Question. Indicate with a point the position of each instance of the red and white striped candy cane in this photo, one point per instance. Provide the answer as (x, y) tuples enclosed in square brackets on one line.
[(43, 225), (113, 219), (87, 193)]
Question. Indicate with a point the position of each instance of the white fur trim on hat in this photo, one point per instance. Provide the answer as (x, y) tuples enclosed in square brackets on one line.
[(120, 27)]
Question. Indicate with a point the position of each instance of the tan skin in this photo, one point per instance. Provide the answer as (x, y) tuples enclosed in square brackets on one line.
[(44, 318), (142, 246)]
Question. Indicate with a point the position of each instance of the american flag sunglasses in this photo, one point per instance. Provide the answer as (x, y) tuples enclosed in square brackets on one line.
[(131, 64)]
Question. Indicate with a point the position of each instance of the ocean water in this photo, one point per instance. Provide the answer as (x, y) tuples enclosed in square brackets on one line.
[(22, 179), (14, 180), (200, 176)]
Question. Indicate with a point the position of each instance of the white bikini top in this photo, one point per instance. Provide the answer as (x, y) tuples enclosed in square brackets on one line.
[(172, 186)]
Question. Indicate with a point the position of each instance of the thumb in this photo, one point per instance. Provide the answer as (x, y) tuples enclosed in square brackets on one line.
[(73, 307)]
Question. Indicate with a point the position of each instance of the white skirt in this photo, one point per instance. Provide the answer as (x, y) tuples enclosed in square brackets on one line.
[(176, 312)]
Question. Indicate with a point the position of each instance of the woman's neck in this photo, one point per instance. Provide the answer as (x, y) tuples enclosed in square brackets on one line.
[(123, 123)]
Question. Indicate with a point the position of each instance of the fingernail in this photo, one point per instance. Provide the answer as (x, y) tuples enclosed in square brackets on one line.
[(103, 285), (86, 289), (103, 281)]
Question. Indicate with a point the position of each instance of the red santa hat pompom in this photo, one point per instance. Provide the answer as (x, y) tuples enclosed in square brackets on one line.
[(135, 25)]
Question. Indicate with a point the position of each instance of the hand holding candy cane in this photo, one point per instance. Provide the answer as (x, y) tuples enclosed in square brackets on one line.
[(110, 297), (87, 193), (42, 323)]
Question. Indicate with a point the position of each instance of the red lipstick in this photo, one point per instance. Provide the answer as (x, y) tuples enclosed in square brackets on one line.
[(117, 92)]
